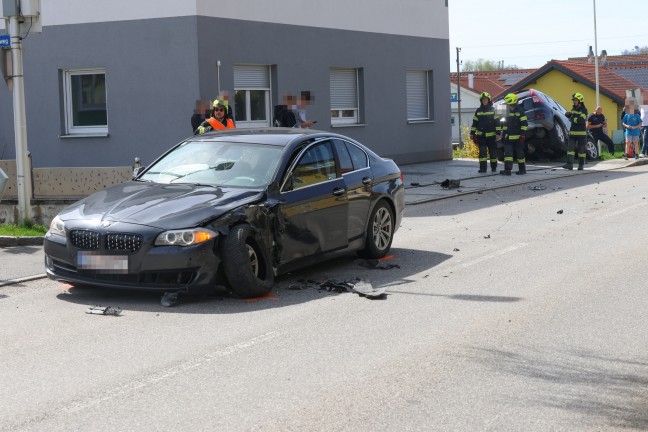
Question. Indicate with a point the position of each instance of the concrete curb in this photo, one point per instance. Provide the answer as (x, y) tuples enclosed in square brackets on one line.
[(23, 279), (8, 241)]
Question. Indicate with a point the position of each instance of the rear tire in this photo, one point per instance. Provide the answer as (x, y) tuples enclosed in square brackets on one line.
[(247, 263), (380, 231)]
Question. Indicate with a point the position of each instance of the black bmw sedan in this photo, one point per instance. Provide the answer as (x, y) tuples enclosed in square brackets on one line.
[(230, 209)]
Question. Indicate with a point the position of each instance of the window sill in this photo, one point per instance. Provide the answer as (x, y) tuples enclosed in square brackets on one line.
[(420, 121), (97, 135), (335, 126)]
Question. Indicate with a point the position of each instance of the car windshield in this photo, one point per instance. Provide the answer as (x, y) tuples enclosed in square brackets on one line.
[(217, 163)]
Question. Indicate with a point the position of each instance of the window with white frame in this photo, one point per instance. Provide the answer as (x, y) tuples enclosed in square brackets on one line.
[(344, 96), (418, 95), (251, 96), (85, 102)]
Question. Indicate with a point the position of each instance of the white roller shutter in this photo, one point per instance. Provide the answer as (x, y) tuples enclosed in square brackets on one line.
[(344, 88), (417, 95), (251, 77)]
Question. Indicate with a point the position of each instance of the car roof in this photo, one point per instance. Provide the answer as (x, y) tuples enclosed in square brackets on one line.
[(269, 136)]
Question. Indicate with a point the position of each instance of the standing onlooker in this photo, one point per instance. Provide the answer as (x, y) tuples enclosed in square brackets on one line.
[(595, 124), (300, 110), (514, 134), (644, 130), (577, 133), (485, 125), (199, 114), (632, 125)]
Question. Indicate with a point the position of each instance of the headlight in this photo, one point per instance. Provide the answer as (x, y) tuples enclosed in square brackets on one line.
[(57, 227), (188, 237)]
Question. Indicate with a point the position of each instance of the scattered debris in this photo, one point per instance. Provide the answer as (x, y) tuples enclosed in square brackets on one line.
[(365, 289), (356, 285), (560, 211), (450, 184), (537, 188), (415, 184), (377, 264), (455, 250), (104, 310), (169, 299), (487, 236)]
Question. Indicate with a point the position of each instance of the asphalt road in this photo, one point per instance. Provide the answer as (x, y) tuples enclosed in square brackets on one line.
[(521, 308)]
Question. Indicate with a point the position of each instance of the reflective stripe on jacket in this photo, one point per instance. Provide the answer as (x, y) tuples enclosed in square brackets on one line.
[(516, 123), (578, 118), (486, 122)]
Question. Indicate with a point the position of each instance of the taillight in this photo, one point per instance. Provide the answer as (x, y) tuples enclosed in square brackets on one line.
[(401, 176), (536, 99), (539, 116)]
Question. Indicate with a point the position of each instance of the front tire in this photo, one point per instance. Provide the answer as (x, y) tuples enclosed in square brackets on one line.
[(380, 231), (246, 262), (559, 137), (591, 148)]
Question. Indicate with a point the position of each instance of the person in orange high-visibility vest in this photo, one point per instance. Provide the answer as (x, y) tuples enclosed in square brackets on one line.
[(217, 121)]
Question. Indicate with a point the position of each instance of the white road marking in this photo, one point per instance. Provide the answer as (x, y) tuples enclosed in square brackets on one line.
[(167, 373)]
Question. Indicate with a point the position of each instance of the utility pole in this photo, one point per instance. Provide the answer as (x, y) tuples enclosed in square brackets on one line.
[(15, 12), (459, 98)]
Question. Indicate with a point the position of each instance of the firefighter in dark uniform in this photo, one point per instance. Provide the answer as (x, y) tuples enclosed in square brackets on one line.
[(485, 125), (577, 133), (514, 133)]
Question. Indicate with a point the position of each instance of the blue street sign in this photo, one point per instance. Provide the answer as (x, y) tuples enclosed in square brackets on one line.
[(5, 40), (453, 97)]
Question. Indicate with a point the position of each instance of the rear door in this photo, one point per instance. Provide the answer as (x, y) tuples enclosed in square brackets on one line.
[(354, 166)]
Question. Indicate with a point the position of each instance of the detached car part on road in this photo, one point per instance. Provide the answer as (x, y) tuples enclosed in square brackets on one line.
[(230, 209), (548, 131)]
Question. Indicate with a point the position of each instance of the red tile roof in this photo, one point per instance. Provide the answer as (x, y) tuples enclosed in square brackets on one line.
[(616, 60)]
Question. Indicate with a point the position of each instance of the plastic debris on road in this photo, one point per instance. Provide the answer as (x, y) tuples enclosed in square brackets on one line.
[(356, 285), (169, 299), (450, 184), (104, 310)]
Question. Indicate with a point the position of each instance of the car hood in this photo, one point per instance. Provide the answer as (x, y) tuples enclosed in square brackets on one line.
[(164, 206)]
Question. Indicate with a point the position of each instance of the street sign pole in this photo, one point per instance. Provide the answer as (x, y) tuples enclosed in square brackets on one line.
[(23, 169)]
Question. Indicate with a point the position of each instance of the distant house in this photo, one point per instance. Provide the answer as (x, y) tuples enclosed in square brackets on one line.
[(472, 85)]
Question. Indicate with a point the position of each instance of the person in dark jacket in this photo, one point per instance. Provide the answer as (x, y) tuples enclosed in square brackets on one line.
[(200, 114), (485, 127), (514, 133), (577, 133), (595, 124)]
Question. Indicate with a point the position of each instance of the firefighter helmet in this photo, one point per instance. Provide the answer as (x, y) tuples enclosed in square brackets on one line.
[(485, 95), (579, 97), (219, 104), (511, 98)]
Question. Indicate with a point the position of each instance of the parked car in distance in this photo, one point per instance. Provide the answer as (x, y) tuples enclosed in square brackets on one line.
[(230, 209), (548, 131)]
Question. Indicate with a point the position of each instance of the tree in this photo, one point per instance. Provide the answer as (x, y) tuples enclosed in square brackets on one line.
[(636, 50), (485, 65)]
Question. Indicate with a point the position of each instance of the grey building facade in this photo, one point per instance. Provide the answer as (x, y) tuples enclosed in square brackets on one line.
[(102, 87)]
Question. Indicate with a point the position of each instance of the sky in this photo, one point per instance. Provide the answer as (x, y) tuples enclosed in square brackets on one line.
[(530, 33)]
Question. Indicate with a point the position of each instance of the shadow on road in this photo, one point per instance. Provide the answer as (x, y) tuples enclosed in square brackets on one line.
[(407, 264)]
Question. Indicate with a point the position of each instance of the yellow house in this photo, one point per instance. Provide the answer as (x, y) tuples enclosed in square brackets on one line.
[(561, 79)]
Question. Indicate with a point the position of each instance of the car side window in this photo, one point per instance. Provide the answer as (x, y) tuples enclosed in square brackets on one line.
[(346, 164), (317, 165), (358, 156)]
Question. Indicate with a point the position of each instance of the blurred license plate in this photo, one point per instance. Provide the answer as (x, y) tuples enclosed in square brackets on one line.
[(102, 263)]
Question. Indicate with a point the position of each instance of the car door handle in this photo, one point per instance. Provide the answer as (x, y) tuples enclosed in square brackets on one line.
[(367, 181), (339, 191)]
